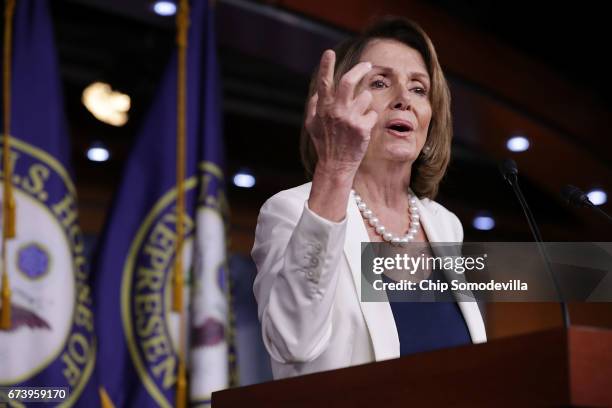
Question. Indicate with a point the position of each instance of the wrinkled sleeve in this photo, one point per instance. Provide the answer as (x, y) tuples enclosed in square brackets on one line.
[(297, 254)]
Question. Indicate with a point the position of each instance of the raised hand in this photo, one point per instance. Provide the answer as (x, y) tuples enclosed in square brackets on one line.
[(337, 120)]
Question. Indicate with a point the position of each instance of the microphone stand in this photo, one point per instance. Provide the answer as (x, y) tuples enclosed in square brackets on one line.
[(511, 177)]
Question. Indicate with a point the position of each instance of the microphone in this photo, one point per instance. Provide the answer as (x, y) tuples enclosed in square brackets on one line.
[(509, 171), (572, 195)]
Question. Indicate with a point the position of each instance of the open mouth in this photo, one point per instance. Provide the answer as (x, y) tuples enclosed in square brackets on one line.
[(400, 127)]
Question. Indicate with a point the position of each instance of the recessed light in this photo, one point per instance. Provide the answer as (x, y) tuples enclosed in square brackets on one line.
[(164, 8), (517, 144)]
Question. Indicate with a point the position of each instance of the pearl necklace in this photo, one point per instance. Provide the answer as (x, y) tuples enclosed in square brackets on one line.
[(381, 230)]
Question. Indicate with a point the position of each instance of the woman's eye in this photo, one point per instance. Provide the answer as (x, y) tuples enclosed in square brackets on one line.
[(379, 83), (420, 91)]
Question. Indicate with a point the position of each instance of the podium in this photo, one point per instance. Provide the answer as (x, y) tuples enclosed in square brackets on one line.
[(550, 368)]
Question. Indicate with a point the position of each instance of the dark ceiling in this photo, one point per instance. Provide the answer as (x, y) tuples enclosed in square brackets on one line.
[(265, 79), (571, 38)]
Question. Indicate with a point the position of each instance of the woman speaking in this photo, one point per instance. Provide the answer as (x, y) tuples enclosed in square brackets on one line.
[(376, 140)]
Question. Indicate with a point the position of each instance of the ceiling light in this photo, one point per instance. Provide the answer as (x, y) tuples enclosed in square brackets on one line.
[(98, 153), (483, 222), (164, 8), (106, 105), (517, 144), (597, 196), (244, 179)]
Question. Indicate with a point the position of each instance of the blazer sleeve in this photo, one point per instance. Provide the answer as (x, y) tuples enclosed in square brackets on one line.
[(297, 254)]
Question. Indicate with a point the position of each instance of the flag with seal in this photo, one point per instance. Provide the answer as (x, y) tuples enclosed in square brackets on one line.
[(161, 278), (46, 317)]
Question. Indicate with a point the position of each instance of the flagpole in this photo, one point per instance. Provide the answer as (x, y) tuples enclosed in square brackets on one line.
[(8, 204), (182, 21)]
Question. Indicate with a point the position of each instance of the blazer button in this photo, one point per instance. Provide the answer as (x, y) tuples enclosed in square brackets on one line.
[(314, 262)]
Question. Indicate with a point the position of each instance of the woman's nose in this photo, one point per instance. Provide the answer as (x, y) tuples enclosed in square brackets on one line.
[(402, 101)]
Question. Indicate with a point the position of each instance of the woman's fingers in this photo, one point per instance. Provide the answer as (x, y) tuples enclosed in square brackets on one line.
[(362, 102), (339, 111), (325, 85), (369, 119), (350, 80), (311, 110)]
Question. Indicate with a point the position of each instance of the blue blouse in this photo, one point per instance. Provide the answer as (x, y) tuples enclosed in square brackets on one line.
[(427, 326)]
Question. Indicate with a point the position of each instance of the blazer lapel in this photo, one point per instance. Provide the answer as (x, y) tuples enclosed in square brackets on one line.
[(378, 315), (469, 309)]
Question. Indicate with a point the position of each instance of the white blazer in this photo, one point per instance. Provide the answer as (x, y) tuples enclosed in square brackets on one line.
[(308, 286)]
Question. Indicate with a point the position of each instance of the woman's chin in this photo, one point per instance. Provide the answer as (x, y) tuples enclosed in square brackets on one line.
[(400, 154)]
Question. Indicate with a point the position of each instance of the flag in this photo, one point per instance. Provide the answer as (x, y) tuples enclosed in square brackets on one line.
[(139, 333), (50, 339)]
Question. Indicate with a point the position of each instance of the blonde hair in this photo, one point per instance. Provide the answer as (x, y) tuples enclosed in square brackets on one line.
[(430, 167)]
